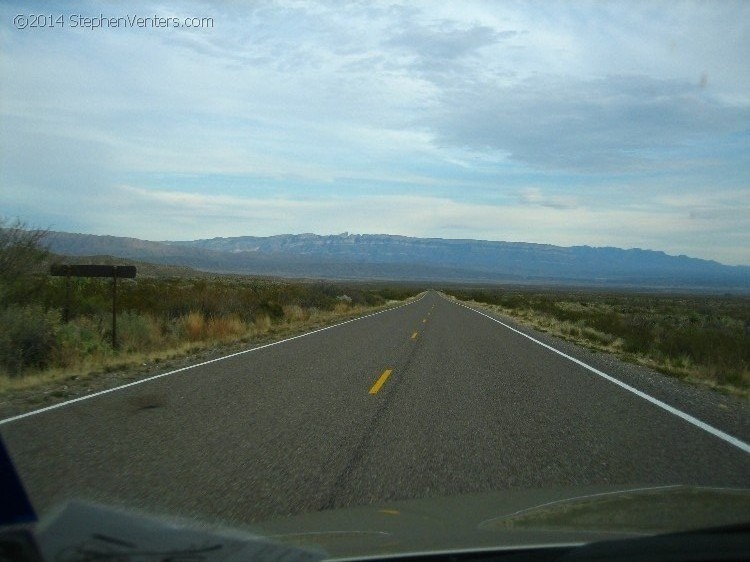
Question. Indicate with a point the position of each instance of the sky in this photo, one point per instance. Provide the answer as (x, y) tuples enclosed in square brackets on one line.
[(621, 124)]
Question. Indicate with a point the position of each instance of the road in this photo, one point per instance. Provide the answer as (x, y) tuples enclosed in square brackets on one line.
[(426, 399)]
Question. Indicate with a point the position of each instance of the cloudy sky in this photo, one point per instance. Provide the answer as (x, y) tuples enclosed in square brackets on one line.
[(604, 123)]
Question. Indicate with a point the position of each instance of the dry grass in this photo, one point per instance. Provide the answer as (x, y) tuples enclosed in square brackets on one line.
[(262, 324), (341, 308), (188, 336), (194, 325), (724, 372), (161, 319), (295, 313), (225, 327)]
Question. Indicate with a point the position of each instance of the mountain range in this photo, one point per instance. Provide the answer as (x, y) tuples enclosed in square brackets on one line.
[(402, 258)]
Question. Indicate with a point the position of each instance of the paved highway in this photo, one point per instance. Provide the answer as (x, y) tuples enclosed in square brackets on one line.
[(426, 399)]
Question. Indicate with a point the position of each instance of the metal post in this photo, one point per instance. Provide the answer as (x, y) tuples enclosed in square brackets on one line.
[(66, 310), (112, 271), (114, 310)]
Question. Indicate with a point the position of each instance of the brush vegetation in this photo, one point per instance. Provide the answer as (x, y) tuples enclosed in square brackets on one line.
[(700, 338), (52, 327), (160, 315)]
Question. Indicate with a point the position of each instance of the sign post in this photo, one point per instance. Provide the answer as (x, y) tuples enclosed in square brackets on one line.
[(113, 271)]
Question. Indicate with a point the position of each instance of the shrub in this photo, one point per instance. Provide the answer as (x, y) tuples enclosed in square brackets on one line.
[(703, 337), (137, 332), (22, 254), (27, 338), (272, 309), (155, 313), (78, 339)]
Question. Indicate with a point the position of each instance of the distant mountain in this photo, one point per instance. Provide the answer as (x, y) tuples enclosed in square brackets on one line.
[(380, 256)]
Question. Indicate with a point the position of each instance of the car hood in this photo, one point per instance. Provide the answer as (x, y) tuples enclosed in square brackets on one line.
[(510, 519)]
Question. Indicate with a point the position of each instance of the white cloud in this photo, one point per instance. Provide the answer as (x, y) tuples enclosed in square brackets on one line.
[(534, 196), (181, 215), (570, 123), (616, 123)]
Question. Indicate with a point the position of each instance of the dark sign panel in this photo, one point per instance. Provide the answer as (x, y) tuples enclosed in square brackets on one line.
[(121, 271)]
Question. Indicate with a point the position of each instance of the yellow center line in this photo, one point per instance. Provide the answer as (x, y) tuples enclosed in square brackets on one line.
[(380, 382), (414, 336)]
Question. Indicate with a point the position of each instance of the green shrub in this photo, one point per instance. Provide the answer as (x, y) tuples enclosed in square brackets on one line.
[(28, 338), (703, 336), (271, 309), (78, 339), (136, 332), (156, 314)]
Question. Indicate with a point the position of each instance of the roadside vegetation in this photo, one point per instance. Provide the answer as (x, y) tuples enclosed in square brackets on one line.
[(54, 329), (700, 338)]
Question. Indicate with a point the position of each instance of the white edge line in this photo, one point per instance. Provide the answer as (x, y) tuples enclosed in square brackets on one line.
[(679, 413), (141, 381)]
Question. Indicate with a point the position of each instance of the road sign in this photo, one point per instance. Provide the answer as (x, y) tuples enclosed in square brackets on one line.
[(113, 271)]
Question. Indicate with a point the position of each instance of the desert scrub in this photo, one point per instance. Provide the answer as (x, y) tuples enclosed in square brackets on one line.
[(262, 324), (83, 338), (224, 328), (702, 338), (28, 336), (139, 332), (193, 326), (295, 313), (159, 316)]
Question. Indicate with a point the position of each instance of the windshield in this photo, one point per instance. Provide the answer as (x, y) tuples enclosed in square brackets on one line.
[(478, 270)]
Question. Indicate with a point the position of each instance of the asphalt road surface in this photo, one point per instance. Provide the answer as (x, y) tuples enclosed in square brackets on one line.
[(426, 399)]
